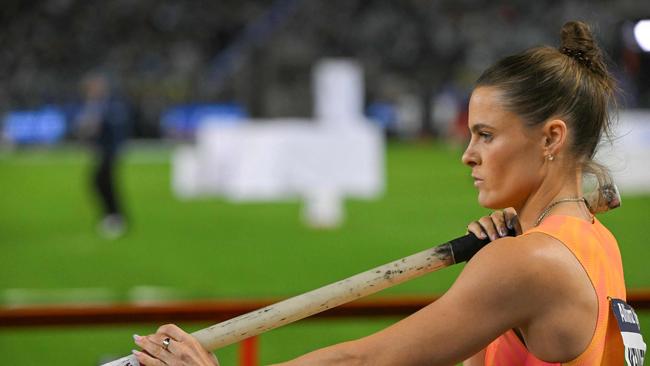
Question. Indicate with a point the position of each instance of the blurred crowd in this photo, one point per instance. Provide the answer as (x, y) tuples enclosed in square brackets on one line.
[(422, 56)]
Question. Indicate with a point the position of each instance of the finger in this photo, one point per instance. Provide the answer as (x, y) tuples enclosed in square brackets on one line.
[(488, 226), (517, 224), (499, 220), (145, 359), (154, 349), (509, 214), (175, 332), (167, 343), (187, 347), (512, 220), (476, 229)]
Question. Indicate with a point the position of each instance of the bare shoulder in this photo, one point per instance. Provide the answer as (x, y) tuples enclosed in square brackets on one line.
[(532, 254), (514, 280), (535, 268), (540, 281), (508, 284)]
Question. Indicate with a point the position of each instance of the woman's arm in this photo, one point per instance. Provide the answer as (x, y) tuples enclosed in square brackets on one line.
[(510, 283), (495, 292)]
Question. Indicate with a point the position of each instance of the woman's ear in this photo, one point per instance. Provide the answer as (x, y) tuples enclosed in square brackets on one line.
[(555, 135)]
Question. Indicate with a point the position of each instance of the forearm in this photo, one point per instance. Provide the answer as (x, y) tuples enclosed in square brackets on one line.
[(343, 354)]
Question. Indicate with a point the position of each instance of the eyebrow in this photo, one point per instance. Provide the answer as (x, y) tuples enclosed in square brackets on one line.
[(478, 127)]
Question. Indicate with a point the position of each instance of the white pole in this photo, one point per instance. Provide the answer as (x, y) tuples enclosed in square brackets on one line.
[(316, 301)]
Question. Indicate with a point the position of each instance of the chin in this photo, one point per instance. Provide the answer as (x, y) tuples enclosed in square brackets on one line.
[(490, 202)]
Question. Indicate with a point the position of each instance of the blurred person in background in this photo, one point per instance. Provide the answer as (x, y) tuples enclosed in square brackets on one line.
[(541, 298), (104, 120)]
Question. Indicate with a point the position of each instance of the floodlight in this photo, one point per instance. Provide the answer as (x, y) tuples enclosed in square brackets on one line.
[(642, 34)]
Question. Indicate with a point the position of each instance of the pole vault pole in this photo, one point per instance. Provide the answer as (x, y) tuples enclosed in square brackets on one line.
[(355, 287)]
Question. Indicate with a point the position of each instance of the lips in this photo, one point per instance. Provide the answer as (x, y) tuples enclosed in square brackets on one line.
[(477, 180)]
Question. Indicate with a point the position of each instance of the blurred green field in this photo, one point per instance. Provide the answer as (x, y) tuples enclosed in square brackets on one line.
[(210, 248)]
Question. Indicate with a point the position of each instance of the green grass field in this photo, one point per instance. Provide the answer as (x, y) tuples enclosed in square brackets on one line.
[(210, 248)]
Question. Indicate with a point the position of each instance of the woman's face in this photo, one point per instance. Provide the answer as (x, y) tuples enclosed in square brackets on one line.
[(506, 157)]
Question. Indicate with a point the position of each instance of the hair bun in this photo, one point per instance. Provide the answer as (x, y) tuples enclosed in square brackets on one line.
[(577, 35), (578, 43)]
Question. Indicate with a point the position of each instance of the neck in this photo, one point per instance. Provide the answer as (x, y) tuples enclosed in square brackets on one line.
[(551, 190)]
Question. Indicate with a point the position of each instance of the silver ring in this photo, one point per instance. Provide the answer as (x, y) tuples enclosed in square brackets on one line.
[(166, 342)]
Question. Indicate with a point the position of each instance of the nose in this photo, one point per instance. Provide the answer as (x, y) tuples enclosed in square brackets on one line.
[(470, 157)]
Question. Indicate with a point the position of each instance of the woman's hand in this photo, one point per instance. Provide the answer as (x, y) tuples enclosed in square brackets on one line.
[(495, 225), (170, 345)]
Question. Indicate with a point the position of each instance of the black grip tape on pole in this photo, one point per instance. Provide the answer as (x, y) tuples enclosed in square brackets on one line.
[(465, 247)]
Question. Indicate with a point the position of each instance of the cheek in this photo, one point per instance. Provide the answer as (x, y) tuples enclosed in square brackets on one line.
[(499, 162), (512, 158), (512, 175)]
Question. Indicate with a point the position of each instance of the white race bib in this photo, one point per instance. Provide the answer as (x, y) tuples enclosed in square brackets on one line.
[(628, 324)]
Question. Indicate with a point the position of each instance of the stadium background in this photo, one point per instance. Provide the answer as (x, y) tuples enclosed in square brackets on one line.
[(257, 55)]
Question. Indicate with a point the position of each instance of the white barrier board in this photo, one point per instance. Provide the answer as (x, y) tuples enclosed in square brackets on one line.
[(628, 157)]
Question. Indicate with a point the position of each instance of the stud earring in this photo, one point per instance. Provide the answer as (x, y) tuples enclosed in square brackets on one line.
[(550, 157)]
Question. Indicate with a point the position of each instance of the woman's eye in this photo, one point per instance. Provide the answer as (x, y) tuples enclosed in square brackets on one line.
[(485, 136)]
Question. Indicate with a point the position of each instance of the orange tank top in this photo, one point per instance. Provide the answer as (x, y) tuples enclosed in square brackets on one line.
[(597, 251)]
